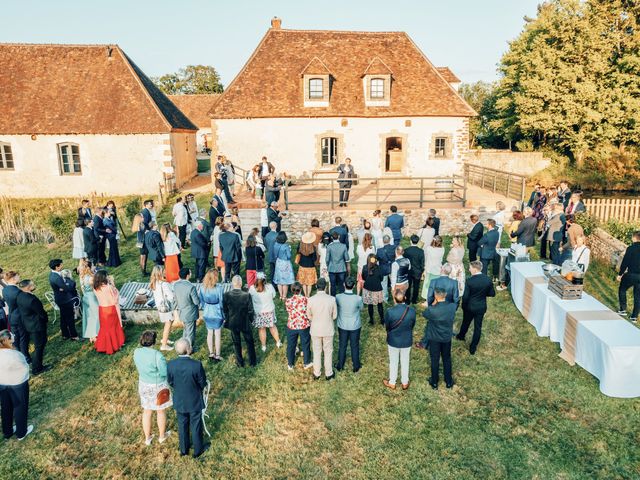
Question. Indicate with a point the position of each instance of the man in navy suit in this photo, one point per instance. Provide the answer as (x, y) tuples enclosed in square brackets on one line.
[(488, 244), (439, 330), (341, 230), (474, 303), (269, 242), (84, 212), (274, 215), (199, 250), (100, 232), (187, 378), (231, 249), (34, 321), (10, 294), (436, 221), (386, 256), (473, 237), (395, 222), (66, 296), (452, 295)]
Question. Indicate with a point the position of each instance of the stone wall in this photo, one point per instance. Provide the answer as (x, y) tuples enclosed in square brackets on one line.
[(524, 163), (452, 221), (606, 248)]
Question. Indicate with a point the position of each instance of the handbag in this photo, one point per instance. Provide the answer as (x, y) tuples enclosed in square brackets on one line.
[(164, 395), (165, 306), (397, 324), (297, 259), (421, 242)]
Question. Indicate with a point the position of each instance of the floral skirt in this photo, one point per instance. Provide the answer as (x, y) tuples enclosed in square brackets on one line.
[(149, 393), (372, 298), (265, 320), (307, 275), (283, 274)]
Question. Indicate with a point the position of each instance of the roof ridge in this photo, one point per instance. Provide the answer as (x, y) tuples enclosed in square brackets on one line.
[(28, 44), (348, 32)]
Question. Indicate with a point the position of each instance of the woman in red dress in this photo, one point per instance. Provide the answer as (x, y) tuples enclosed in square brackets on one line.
[(110, 336)]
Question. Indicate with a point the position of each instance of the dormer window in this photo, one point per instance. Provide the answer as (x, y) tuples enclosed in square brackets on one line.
[(316, 89), (377, 88)]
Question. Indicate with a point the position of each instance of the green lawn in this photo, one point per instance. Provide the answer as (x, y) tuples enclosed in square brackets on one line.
[(517, 411)]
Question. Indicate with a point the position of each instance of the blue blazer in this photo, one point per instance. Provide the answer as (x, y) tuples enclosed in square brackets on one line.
[(146, 218), (402, 335), (447, 284), (342, 234), (440, 318), (231, 247), (386, 256), (64, 290), (10, 294), (395, 222), (488, 244), (269, 243), (188, 379)]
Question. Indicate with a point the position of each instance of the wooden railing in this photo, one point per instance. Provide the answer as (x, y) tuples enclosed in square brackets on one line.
[(509, 184), (406, 191), (621, 209)]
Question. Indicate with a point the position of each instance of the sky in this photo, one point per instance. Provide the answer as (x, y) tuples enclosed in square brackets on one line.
[(162, 36)]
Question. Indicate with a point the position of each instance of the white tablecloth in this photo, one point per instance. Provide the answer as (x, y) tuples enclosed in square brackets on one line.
[(608, 349)]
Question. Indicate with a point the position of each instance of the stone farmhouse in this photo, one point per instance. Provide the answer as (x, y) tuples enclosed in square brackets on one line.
[(196, 107), (78, 119), (308, 99)]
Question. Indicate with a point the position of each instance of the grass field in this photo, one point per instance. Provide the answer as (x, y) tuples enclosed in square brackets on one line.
[(517, 410)]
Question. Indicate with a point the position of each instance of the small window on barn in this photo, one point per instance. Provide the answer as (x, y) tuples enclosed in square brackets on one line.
[(377, 88), (6, 156), (316, 88), (440, 147), (329, 148), (69, 159)]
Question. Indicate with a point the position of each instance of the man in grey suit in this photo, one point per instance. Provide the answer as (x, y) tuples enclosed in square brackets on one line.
[(188, 305), (349, 325), (337, 259), (528, 229)]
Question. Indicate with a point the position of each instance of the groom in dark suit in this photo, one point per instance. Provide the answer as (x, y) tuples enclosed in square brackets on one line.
[(474, 303), (65, 296), (231, 249), (473, 237), (187, 379), (34, 319)]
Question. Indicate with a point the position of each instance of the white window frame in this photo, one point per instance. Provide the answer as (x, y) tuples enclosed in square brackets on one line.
[(71, 162), (5, 151), (440, 150), (377, 89), (314, 94), (331, 144)]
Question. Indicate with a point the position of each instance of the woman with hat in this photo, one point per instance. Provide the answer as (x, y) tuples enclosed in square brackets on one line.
[(307, 259)]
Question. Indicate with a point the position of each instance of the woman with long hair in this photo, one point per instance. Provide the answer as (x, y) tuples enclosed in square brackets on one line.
[(110, 222), (454, 258), (211, 303), (433, 256), (217, 253), (322, 254), (90, 313), (111, 335), (171, 251), (372, 287), (262, 295), (78, 240), (426, 233), (377, 227), (365, 248), (307, 260), (283, 275), (254, 260), (165, 301), (235, 218)]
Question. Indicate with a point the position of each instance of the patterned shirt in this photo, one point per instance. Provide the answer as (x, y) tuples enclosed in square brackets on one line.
[(297, 311)]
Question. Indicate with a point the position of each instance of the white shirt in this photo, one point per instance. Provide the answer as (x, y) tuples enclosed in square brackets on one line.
[(78, 243), (216, 241), (14, 369), (172, 244), (263, 301), (193, 210), (394, 272), (581, 255), (179, 214), (264, 170), (426, 235), (264, 218), (363, 255), (433, 260)]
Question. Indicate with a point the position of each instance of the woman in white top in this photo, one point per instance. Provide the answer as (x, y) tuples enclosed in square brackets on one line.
[(264, 220), (350, 247), (365, 248), (262, 295), (78, 240), (454, 258), (165, 303), (377, 226), (14, 389), (322, 254), (499, 218), (433, 255), (581, 254), (171, 252), (426, 234)]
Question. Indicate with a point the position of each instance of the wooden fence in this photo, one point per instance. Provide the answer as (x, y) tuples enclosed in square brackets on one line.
[(621, 209)]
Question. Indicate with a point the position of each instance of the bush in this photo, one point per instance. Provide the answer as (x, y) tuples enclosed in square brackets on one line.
[(62, 225), (621, 230), (132, 207), (524, 145), (588, 222)]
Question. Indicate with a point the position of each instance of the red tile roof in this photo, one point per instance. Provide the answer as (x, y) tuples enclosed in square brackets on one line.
[(80, 89), (196, 107), (448, 75), (269, 84)]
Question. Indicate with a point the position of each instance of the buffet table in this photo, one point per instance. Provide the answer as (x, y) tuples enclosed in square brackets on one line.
[(589, 333)]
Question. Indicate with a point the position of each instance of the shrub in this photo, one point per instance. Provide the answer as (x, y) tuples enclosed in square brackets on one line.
[(621, 230), (62, 225), (588, 222), (132, 207), (524, 145)]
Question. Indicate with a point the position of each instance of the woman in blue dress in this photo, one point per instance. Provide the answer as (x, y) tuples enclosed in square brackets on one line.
[(211, 304), (283, 275), (90, 319)]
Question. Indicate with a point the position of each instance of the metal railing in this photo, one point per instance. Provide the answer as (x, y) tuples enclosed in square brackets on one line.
[(509, 184), (370, 191)]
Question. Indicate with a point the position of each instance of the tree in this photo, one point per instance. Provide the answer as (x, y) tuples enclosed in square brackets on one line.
[(481, 96), (190, 80)]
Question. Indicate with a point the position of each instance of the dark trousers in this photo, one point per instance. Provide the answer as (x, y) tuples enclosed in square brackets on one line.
[(396, 241), (380, 313), (272, 271), (102, 245), (190, 423), (231, 269), (467, 317), (351, 337), (630, 280), (225, 188), (237, 346), (182, 235), (543, 246), (554, 251), (491, 261), (39, 340), (337, 282), (437, 350), (292, 342), (67, 321), (473, 251), (14, 403), (344, 195), (201, 268), (414, 289), (20, 339), (264, 231)]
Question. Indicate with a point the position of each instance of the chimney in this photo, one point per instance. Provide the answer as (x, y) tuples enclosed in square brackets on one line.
[(276, 23)]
